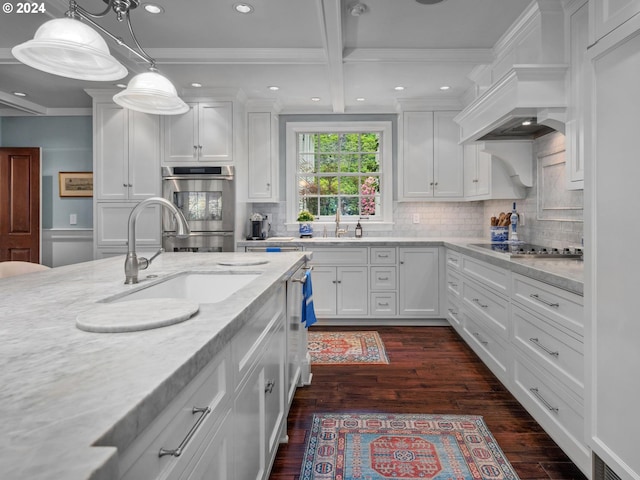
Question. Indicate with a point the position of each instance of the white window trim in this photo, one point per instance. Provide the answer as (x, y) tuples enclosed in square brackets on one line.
[(386, 175)]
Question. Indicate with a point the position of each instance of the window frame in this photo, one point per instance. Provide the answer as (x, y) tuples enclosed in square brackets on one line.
[(383, 128)]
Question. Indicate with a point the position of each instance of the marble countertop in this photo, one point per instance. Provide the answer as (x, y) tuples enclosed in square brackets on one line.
[(562, 273), (65, 389)]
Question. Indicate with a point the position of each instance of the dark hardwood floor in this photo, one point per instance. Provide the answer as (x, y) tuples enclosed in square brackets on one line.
[(431, 370)]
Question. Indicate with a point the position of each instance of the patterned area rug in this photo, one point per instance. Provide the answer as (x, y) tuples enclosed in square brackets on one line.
[(346, 348), (410, 447)]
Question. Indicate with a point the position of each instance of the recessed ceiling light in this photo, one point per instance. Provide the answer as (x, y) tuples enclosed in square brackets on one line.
[(399, 88), (20, 94), (315, 99), (121, 85), (360, 99), (153, 8), (243, 8), (526, 122), (196, 85), (273, 88), (445, 87)]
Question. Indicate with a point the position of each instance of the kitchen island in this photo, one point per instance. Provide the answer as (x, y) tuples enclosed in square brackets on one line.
[(72, 401)]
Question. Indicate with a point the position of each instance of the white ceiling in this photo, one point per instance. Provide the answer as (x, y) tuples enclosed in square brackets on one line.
[(309, 48)]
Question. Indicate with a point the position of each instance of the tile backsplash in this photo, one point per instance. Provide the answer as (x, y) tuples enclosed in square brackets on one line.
[(471, 219)]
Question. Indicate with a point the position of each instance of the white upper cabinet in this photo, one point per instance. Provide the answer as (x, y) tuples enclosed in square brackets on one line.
[(126, 154), (608, 15), (486, 177), (431, 162), (263, 156), (204, 134)]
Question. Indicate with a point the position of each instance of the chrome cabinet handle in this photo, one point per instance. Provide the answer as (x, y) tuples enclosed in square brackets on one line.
[(268, 388), (537, 343), (204, 411), (477, 300), (453, 284), (544, 401), (383, 278), (452, 312), (199, 148), (380, 255), (542, 300), (381, 304), (483, 342), (195, 150)]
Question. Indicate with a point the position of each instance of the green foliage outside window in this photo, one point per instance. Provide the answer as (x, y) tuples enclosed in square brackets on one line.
[(339, 169)]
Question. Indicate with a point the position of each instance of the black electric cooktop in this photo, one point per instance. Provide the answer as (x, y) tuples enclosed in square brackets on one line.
[(530, 250)]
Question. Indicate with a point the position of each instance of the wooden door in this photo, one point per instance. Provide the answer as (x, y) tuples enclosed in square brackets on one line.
[(20, 204)]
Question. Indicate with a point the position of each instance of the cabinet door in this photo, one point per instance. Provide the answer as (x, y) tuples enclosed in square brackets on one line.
[(248, 429), (215, 142), (419, 284), (609, 14), (144, 155), (417, 160), (180, 137), (262, 157), (447, 156), (111, 152), (275, 389), (112, 225), (353, 291), (324, 290)]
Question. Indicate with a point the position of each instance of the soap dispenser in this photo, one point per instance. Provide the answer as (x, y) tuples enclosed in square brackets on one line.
[(358, 230)]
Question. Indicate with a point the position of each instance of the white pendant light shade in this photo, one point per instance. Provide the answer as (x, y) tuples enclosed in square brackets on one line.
[(150, 92), (69, 48)]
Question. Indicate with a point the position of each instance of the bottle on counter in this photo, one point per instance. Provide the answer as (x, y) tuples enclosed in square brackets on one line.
[(358, 230), (514, 224)]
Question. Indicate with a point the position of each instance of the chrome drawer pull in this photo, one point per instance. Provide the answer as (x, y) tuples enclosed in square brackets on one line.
[(383, 278), (453, 284), (383, 256), (537, 343), (381, 304), (536, 394), (483, 342), (268, 388), (453, 312), (178, 451), (542, 300), (477, 300)]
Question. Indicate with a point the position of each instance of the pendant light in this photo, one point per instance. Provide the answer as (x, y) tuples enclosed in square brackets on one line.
[(69, 48)]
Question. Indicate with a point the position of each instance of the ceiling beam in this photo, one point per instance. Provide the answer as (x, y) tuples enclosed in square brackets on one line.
[(330, 17)]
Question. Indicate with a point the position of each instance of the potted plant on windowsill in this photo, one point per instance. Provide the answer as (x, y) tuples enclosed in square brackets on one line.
[(305, 228)]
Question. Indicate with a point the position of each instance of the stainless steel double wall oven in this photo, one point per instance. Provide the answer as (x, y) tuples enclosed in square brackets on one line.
[(206, 197)]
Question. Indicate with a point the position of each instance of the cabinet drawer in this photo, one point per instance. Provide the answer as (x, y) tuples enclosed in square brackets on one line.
[(453, 311), (561, 306), (550, 348), (383, 256), (247, 342), (339, 256), (210, 388), (383, 304), (490, 276), (555, 410), (493, 352), (383, 278), (486, 307), (454, 282), (453, 260)]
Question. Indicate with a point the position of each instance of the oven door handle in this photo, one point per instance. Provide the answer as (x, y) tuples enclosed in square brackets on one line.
[(200, 234)]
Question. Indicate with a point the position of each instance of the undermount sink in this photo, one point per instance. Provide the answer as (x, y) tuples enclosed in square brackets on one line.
[(200, 287), (164, 303)]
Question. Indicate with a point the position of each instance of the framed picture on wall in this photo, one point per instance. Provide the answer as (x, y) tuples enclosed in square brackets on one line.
[(76, 184)]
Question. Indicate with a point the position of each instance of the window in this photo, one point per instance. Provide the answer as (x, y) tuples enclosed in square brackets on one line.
[(340, 166)]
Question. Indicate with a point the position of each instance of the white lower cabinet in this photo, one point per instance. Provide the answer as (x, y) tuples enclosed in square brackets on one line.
[(530, 335), (226, 424), (419, 289), (340, 291)]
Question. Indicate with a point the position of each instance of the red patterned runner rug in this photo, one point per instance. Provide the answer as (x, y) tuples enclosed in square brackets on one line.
[(410, 447), (347, 348)]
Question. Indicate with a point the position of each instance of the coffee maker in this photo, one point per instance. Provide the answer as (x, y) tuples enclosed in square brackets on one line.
[(259, 227)]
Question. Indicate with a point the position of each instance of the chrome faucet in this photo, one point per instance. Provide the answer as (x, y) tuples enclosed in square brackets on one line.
[(132, 263), (340, 231)]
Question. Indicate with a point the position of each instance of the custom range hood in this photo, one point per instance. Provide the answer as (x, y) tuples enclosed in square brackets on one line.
[(523, 92)]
